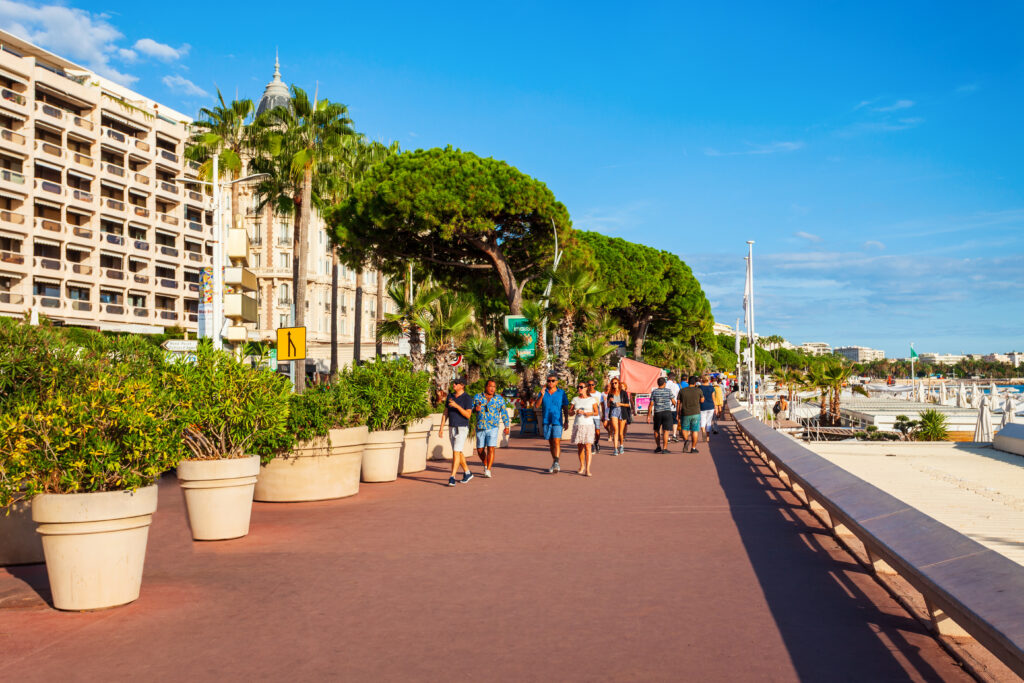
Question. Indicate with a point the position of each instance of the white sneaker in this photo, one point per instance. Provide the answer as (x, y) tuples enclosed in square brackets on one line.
[(555, 467), (487, 474)]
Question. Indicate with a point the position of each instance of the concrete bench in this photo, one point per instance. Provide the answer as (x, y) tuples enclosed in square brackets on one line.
[(1010, 439), (968, 588)]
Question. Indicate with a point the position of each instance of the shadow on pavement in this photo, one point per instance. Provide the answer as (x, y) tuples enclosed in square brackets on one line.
[(836, 621), (34, 576)]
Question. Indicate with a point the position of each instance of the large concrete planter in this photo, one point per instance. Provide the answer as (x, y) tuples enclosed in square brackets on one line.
[(414, 447), (438, 447), (320, 469), (381, 455), (19, 542), (95, 545), (218, 496)]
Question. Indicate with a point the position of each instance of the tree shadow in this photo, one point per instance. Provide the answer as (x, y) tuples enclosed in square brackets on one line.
[(823, 605), (34, 577)]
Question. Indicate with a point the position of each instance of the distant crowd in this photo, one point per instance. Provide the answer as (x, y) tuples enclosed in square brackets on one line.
[(680, 411)]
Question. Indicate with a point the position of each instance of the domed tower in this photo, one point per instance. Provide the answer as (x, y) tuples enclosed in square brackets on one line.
[(276, 93)]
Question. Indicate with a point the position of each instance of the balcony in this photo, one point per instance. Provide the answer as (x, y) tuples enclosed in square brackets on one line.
[(167, 315), (170, 156), (84, 124), (114, 169), (48, 301), (49, 149), (141, 279), (12, 96), (78, 305), (195, 196), (193, 225), (141, 211), (47, 224), (238, 245), (50, 111), (240, 307), (168, 219), (82, 196), (82, 232), (142, 145), (113, 274), (82, 160), (11, 298), (140, 312), (48, 186), (114, 239), (11, 217), (114, 204), (119, 138), (16, 139), (81, 269), (48, 263), (237, 276), (168, 251), (167, 283), (141, 179), (141, 245), (194, 256), (170, 188), (12, 258), (115, 309), (12, 177)]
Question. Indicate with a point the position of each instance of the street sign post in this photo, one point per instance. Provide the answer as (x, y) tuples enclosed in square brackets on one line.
[(517, 323), (291, 343), (181, 345)]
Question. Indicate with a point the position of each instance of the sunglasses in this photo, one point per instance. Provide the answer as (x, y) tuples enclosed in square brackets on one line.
[(552, 381), (582, 386)]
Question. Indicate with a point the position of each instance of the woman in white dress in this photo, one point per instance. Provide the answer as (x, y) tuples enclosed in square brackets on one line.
[(585, 408)]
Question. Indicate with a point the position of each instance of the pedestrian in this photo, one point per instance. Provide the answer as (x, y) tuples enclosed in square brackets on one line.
[(490, 413), (599, 419), (719, 402), (629, 412), (707, 407), (459, 408), (673, 388), (554, 406), (616, 408), (584, 408), (663, 406), (780, 405), (688, 406)]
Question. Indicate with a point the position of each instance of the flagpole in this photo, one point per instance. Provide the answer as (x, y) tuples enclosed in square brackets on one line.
[(912, 375)]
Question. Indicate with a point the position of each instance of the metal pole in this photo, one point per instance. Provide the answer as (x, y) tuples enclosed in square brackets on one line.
[(739, 359), (218, 259), (753, 335)]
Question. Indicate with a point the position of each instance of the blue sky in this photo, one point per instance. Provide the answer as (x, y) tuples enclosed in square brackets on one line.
[(872, 150)]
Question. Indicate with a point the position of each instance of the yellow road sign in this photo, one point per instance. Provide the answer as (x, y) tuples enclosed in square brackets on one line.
[(291, 343)]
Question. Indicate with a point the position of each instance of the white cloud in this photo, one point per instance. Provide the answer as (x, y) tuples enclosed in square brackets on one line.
[(150, 47), (808, 236), (873, 244), (898, 104), (78, 35), (127, 55), (182, 85), (754, 148)]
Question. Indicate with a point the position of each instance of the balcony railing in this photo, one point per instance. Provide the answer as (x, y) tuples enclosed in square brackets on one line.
[(83, 160), (168, 315), (50, 110), (115, 239), (168, 283), (82, 195), (141, 245), (114, 169), (168, 218), (168, 187), (170, 156), (194, 165), (11, 136), (140, 178), (49, 186), (79, 305), (48, 263), (193, 256), (81, 269), (12, 176), (115, 204), (12, 96), (193, 286), (193, 317), (12, 257), (142, 144), (49, 148), (49, 302), (141, 279), (47, 224), (195, 196), (115, 309), (168, 251), (115, 135), (142, 211), (84, 123), (193, 225), (82, 232), (114, 274), (9, 217), (11, 298), (140, 313)]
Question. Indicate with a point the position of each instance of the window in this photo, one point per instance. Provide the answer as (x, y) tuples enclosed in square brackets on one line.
[(284, 234), (342, 327), (137, 300), (284, 295), (110, 297), (78, 293), (257, 260), (282, 320), (45, 289), (284, 260)]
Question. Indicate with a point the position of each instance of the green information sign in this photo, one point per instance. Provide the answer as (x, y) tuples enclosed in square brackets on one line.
[(517, 323)]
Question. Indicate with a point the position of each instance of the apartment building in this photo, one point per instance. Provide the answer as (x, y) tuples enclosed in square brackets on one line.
[(860, 354), (816, 348), (941, 358), (94, 230)]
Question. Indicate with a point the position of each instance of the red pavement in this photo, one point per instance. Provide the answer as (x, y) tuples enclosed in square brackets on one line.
[(659, 567)]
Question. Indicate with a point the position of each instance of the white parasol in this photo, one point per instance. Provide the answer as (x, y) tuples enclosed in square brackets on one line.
[(1009, 410), (993, 396), (961, 396), (983, 429)]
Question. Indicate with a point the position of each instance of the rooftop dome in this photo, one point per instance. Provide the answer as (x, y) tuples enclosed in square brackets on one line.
[(275, 94)]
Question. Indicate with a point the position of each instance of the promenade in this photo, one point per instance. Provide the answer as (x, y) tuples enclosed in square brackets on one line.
[(659, 567)]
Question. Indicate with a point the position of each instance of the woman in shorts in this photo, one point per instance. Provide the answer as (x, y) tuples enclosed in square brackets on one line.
[(584, 408), (616, 408)]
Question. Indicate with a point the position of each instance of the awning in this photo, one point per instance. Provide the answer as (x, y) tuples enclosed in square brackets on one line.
[(47, 202), (45, 281), (81, 212), (63, 94), (111, 183), (13, 114), (78, 283), (47, 164), (12, 236), (45, 242), (12, 195), (81, 174), (111, 254), (75, 247), (122, 120)]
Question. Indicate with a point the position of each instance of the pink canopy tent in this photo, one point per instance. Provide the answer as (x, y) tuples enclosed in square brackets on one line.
[(639, 378)]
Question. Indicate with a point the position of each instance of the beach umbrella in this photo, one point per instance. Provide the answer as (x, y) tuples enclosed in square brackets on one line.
[(983, 429), (1009, 410), (34, 317), (976, 397), (993, 396), (961, 396), (922, 395), (942, 394)]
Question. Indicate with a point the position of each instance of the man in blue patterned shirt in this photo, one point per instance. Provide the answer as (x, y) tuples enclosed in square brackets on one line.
[(490, 412)]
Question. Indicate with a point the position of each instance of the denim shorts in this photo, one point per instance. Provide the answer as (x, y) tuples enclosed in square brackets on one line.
[(552, 432), (487, 438), (690, 423)]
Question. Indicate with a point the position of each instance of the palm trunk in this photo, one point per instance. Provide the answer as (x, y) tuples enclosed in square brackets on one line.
[(442, 371), (334, 313), (357, 339), (565, 333), (416, 348), (380, 311), (236, 216), (303, 269)]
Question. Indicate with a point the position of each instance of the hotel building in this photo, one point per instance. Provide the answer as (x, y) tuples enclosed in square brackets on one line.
[(860, 354)]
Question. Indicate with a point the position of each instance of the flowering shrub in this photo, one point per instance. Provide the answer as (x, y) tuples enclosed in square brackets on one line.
[(388, 392)]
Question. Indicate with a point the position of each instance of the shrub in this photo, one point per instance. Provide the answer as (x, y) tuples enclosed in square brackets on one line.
[(228, 409), (388, 392), (932, 426), (312, 414)]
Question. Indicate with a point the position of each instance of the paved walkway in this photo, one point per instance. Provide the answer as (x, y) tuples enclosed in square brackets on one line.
[(970, 487), (659, 567)]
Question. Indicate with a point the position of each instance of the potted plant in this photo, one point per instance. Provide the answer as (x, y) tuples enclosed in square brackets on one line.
[(86, 451), (327, 457), (230, 414), (439, 446), (392, 395)]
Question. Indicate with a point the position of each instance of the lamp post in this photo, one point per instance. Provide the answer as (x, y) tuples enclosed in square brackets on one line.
[(547, 293), (218, 243)]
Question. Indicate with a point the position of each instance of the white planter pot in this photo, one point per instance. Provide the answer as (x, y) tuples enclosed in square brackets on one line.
[(218, 496), (438, 447), (414, 447), (320, 469), (19, 542), (95, 545), (381, 455)]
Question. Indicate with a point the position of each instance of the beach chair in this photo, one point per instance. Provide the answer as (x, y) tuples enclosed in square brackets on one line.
[(528, 421)]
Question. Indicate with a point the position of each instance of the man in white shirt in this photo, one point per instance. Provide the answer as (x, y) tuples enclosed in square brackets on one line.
[(674, 387), (600, 417)]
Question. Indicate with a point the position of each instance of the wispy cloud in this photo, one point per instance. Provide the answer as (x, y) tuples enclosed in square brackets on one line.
[(816, 239), (895, 106), (81, 36), (873, 244), (877, 116), (612, 220), (754, 148), (183, 86), (166, 53)]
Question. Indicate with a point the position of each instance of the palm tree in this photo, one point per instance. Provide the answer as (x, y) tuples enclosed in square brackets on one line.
[(836, 376), (411, 315), (479, 351), (448, 320), (815, 379), (590, 357), (306, 136), (223, 130), (572, 298)]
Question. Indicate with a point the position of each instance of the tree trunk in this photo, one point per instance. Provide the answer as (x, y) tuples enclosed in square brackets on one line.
[(334, 313), (638, 330), (565, 332), (303, 269), (416, 348), (513, 288), (442, 371), (357, 338), (236, 216), (380, 311)]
